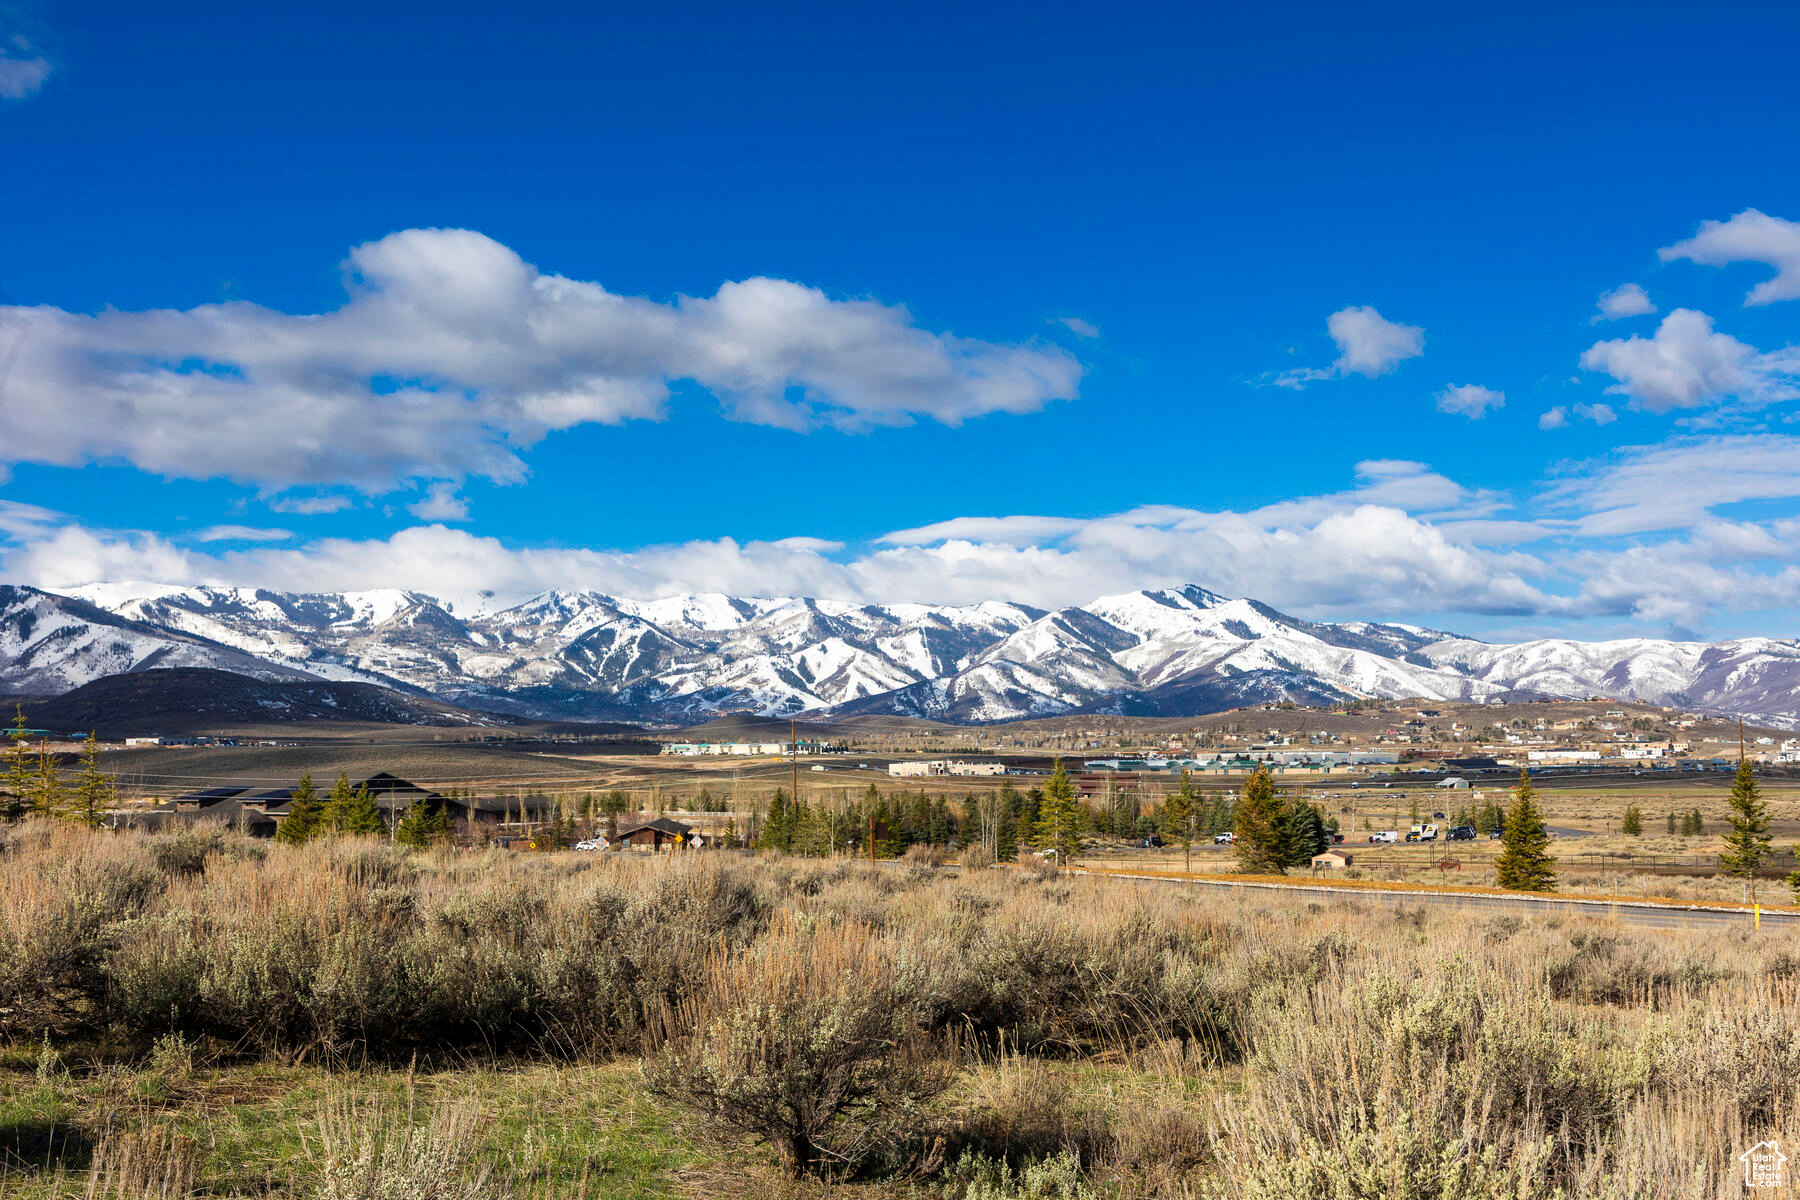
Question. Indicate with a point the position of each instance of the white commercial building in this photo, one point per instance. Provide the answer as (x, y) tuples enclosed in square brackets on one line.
[(944, 766), (1563, 755), (702, 749)]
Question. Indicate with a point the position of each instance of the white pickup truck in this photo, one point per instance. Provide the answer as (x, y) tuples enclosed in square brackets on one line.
[(1384, 835)]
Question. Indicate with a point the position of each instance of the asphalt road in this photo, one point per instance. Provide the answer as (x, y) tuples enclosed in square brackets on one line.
[(1656, 916)]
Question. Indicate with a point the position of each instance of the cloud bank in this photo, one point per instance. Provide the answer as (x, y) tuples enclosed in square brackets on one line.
[(452, 354), (1635, 535)]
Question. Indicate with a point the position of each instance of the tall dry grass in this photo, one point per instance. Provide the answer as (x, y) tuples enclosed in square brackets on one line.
[(1137, 1039)]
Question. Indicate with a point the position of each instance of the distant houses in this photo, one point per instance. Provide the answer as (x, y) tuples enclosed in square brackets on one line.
[(259, 812)]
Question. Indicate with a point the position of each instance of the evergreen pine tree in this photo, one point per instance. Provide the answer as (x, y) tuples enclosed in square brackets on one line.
[(1029, 805), (778, 825), (1006, 828), (1747, 844), (1490, 818), (1524, 863), (809, 828), (1059, 822), (1221, 816), (359, 814), (1671, 824), (918, 823), (1303, 835), (1122, 819), (335, 815), (411, 831), (21, 769), (1633, 823), (93, 787), (302, 819), (440, 828), (1178, 818), (1257, 824), (556, 835), (1692, 823), (939, 829), (47, 797)]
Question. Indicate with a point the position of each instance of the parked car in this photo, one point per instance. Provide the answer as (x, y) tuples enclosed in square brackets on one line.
[(598, 843), (1460, 833), (1152, 840), (1384, 835), (1495, 836), (1224, 839)]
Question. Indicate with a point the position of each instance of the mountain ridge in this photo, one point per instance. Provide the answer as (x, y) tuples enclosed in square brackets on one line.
[(589, 656)]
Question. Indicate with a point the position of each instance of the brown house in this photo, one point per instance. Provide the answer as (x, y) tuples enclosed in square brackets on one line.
[(656, 835)]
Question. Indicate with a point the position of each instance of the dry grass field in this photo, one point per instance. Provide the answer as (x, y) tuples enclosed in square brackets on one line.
[(195, 1015)]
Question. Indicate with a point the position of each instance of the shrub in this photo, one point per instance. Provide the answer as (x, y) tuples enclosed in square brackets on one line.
[(977, 857), (805, 1041), (59, 913), (375, 1152), (1058, 1177)]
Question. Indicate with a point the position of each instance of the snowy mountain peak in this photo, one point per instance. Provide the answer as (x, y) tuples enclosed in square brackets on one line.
[(585, 654)]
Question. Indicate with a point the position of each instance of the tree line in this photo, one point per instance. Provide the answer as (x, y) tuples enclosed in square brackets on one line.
[(34, 785)]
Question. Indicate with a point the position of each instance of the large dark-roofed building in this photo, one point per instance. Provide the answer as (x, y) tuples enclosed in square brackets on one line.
[(206, 798)]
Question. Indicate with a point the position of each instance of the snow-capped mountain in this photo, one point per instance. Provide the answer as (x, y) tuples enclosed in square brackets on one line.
[(583, 654)]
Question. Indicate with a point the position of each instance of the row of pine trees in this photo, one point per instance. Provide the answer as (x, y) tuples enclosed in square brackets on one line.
[(34, 785)]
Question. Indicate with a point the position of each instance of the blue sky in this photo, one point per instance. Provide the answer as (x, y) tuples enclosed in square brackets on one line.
[(1033, 303)]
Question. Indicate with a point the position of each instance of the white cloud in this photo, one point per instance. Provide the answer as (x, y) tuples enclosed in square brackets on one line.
[(441, 503), (1686, 363), (1011, 530), (1368, 344), (452, 355), (1750, 236), (1626, 300), (22, 70), (1678, 484), (242, 533), (310, 506), (1599, 414), (1554, 418), (19, 520), (1079, 327), (1469, 400)]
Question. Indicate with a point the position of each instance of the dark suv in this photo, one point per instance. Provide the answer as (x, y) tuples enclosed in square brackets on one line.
[(1460, 833)]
